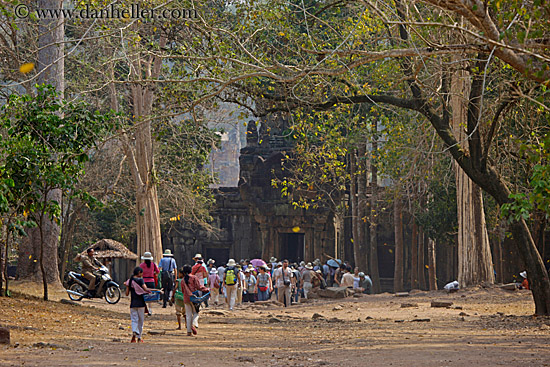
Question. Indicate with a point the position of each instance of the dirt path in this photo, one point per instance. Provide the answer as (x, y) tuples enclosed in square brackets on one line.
[(488, 327)]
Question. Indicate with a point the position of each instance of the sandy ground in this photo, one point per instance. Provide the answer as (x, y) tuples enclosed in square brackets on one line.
[(483, 327)]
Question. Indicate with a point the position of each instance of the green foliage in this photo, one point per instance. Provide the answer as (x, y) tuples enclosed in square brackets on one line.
[(537, 196), (45, 145)]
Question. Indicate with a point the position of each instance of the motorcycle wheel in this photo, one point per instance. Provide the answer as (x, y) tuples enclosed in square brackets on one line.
[(112, 295), (75, 287)]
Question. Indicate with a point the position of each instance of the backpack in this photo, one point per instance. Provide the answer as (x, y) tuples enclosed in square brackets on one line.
[(179, 294), (230, 276), (165, 276)]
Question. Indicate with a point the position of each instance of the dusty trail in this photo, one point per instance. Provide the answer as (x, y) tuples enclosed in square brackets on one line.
[(488, 327)]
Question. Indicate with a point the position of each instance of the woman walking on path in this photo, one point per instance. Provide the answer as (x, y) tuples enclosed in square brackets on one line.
[(189, 285), (137, 288), (150, 272), (250, 286), (214, 285), (265, 285)]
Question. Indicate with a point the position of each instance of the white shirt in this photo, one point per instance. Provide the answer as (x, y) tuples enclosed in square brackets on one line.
[(278, 276), (241, 278)]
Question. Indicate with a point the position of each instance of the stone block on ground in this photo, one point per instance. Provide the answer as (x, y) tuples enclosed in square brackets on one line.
[(335, 292), (420, 320), (69, 302), (245, 359), (402, 294), (157, 332), (317, 316), (313, 295), (441, 304), (214, 312), (509, 287), (4, 335)]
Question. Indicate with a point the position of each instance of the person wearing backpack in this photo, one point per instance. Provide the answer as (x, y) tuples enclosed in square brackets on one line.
[(168, 268), (230, 281)]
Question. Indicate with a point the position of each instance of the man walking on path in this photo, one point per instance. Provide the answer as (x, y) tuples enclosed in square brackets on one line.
[(168, 268), (230, 281), (307, 276), (282, 277)]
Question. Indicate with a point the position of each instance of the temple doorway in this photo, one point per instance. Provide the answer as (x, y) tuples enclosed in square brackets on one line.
[(220, 255), (292, 246)]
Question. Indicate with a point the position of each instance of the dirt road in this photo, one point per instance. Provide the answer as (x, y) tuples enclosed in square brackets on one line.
[(483, 327)]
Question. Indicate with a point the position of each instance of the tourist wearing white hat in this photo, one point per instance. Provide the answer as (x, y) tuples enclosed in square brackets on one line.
[(200, 271), (230, 281), (214, 285), (150, 273), (307, 276), (168, 268)]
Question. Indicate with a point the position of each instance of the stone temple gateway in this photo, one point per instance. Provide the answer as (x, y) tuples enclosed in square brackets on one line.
[(253, 220)]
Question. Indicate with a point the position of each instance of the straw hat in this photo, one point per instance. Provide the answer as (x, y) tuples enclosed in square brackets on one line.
[(197, 257), (273, 259), (309, 266), (147, 256), (168, 252), (231, 262), (213, 271)]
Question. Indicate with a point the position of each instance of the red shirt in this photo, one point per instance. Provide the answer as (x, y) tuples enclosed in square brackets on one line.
[(194, 285), (149, 273), (199, 269)]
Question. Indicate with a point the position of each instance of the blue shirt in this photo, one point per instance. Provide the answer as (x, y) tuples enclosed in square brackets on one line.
[(167, 263)]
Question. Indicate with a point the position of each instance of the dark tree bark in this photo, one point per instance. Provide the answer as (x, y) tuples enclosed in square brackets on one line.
[(431, 265), (421, 260), (373, 216), (414, 256), (398, 226)]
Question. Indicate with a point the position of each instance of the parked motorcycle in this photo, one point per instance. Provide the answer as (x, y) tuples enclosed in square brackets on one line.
[(105, 286)]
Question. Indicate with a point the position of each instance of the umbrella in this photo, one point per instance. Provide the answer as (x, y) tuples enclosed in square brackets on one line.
[(333, 263), (257, 262)]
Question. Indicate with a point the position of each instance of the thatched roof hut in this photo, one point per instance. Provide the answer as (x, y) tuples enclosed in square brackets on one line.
[(107, 248)]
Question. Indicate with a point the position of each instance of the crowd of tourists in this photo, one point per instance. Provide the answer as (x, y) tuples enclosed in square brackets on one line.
[(206, 283)]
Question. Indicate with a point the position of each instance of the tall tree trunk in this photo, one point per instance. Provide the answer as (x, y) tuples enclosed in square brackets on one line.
[(475, 264), (147, 210), (421, 260), (536, 272), (398, 226), (431, 265), (362, 205), (51, 69), (373, 215), (414, 256), (354, 199), (4, 281), (141, 156)]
